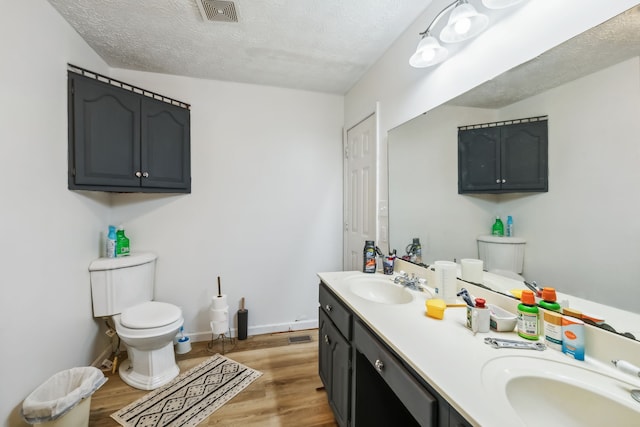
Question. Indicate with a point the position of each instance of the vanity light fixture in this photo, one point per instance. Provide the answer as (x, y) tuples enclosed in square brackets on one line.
[(465, 22), (499, 4)]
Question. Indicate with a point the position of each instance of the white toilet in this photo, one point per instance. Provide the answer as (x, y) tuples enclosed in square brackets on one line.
[(502, 255), (124, 288)]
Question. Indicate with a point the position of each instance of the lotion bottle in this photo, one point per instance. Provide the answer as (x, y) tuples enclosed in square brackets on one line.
[(528, 316)]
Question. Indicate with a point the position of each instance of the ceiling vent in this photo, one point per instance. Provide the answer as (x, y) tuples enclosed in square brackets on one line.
[(217, 10)]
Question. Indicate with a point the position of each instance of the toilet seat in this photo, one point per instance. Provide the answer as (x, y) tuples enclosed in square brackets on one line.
[(150, 314)]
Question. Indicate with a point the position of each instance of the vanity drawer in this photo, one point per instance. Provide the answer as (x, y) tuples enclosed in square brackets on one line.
[(337, 312), (422, 405)]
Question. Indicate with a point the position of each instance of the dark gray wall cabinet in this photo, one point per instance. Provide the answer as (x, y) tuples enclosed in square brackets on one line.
[(367, 383), (123, 141), (503, 159)]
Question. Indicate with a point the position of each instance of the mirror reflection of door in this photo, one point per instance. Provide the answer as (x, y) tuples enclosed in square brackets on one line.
[(360, 191)]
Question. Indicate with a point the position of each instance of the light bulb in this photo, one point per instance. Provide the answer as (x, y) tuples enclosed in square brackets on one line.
[(462, 25), (428, 54)]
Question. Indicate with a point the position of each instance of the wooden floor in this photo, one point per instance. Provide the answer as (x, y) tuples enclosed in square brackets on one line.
[(287, 393)]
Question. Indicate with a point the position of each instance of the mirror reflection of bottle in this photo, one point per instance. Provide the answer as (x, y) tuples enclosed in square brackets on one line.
[(414, 250)]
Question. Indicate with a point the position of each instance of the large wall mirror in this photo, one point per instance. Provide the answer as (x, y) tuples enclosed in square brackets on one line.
[(583, 235)]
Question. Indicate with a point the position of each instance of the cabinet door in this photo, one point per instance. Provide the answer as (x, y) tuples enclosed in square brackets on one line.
[(335, 368), (165, 145), (479, 160), (106, 134), (524, 156)]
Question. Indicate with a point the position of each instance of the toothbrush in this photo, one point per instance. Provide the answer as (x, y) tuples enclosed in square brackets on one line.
[(626, 367)]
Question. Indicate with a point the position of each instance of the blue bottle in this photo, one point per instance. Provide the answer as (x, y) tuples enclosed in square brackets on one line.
[(111, 242), (509, 226)]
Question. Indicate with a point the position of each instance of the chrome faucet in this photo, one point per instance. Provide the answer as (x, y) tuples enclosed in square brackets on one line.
[(412, 282)]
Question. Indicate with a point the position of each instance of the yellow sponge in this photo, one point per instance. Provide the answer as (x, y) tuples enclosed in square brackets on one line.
[(435, 308), (516, 293)]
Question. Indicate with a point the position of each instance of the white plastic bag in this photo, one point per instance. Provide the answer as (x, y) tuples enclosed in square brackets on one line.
[(61, 393)]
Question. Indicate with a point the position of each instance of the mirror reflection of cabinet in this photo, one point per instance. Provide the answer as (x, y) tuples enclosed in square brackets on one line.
[(503, 159)]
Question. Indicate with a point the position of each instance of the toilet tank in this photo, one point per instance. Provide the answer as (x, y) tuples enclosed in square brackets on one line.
[(118, 283), (501, 253)]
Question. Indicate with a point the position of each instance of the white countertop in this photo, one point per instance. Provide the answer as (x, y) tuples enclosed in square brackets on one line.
[(443, 352)]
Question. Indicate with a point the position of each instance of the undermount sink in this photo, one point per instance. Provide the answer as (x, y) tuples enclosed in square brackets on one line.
[(552, 393), (379, 289)]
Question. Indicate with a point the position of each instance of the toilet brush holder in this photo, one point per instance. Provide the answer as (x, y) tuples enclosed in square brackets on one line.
[(183, 346)]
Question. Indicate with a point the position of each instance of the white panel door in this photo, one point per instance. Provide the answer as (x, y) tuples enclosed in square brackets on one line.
[(360, 191)]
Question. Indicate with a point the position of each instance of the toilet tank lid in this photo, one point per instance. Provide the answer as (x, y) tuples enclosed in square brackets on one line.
[(132, 260), (150, 314), (501, 239)]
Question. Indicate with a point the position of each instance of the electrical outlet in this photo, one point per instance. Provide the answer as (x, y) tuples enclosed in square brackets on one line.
[(110, 333)]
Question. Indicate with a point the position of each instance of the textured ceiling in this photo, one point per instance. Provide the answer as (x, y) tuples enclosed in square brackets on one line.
[(323, 46), (600, 47)]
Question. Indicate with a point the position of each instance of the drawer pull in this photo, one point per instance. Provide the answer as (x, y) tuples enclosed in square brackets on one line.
[(328, 307), (326, 339), (379, 365)]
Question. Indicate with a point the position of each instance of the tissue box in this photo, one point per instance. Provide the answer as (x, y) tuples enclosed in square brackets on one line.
[(501, 320)]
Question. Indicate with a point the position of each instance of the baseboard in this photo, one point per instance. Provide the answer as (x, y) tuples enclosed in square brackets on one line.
[(106, 354), (252, 330), (259, 329)]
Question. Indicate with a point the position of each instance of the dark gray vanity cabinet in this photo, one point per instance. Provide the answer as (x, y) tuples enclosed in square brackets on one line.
[(123, 141), (503, 158), (367, 384), (334, 363)]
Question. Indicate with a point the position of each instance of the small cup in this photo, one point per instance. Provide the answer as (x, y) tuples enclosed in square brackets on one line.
[(478, 319), (387, 264)]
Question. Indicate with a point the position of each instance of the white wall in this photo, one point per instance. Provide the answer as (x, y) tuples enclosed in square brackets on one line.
[(50, 234), (265, 212), (424, 200), (265, 209)]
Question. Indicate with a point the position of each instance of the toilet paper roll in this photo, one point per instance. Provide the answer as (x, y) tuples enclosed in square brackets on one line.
[(446, 281), (219, 327), (219, 302), (219, 315), (472, 270)]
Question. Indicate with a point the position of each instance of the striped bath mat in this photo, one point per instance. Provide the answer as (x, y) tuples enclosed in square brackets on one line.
[(191, 397)]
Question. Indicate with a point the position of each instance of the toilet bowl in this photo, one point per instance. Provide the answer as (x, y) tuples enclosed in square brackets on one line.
[(122, 288)]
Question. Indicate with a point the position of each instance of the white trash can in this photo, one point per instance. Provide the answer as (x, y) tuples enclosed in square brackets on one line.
[(64, 399)]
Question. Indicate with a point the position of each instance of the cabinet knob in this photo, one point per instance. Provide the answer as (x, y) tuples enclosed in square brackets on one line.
[(498, 181), (138, 174), (145, 174), (326, 339), (504, 180), (379, 365), (328, 307)]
